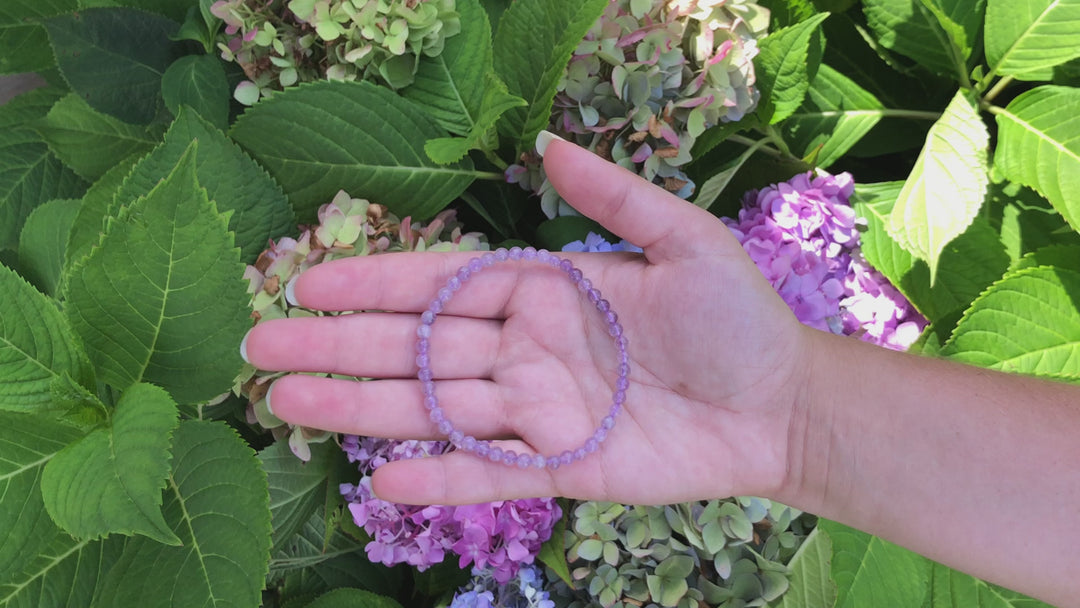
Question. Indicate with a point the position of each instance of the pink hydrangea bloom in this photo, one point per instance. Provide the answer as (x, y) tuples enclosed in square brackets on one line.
[(803, 236), (498, 536)]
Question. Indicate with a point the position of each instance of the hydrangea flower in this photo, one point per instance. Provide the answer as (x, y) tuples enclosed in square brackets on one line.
[(803, 236), (648, 79), (497, 538), (279, 43), (525, 590), (594, 243)]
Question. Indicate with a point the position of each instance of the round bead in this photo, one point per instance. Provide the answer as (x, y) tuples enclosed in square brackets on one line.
[(484, 449)]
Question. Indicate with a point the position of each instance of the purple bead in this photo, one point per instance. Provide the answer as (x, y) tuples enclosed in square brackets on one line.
[(488, 259), (423, 331), (436, 415), (543, 255), (579, 453), (509, 457), (475, 265), (538, 461), (524, 461), (614, 411), (622, 383), (456, 437), (495, 454), (584, 285), (436, 306), (424, 375), (468, 443), (611, 317), (482, 448), (566, 266), (445, 427), (464, 273), (600, 435), (608, 422), (623, 369), (591, 445), (619, 397), (603, 305), (621, 342), (501, 254), (594, 295), (422, 360), (566, 458), (423, 345), (576, 275), (427, 317), (453, 283), (428, 388), (529, 254), (431, 402), (614, 330), (514, 253), (444, 294), (553, 462)]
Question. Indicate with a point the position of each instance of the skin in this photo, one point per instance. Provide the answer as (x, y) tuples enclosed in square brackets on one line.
[(730, 394)]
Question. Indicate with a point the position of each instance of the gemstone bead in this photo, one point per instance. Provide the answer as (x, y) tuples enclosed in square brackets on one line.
[(485, 449)]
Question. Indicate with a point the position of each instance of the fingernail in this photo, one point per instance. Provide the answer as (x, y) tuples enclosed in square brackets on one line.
[(543, 138), (290, 292), (243, 348), (266, 399)]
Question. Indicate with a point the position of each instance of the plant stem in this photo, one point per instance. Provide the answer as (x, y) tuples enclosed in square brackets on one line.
[(998, 88), (751, 143), (495, 160), (490, 176)]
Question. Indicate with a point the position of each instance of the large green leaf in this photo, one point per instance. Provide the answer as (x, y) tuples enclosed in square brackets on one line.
[(1027, 38), (43, 241), (25, 49), (198, 81), (258, 209), (319, 138), (497, 101), (1026, 323), (836, 114), (946, 187), (217, 503), (36, 346), (161, 299), (532, 47), (450, 87), (114, 58), (174, 9), (28, 107), (27, 443), (952, 589), (1026, 221), (65, 574), (111, 480), (869, 571), (16, 12), (914, 28), (810, 585), (297, 488), (788, 61), (1039, 146), (90, 142), (29, 175), (90, 222), (350, 598)]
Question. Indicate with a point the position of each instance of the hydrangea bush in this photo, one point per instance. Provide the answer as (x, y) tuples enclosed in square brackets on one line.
[(186, 159)]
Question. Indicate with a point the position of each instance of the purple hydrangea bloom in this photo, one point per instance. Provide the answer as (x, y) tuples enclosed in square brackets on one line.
[(526, 590), (594, 243), (804, 237), (500, 536)]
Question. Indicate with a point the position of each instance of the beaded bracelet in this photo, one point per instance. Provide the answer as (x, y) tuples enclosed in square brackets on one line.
[(484, 448)]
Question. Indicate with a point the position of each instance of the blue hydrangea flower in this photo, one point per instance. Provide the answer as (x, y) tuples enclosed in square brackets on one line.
[(594, 243)]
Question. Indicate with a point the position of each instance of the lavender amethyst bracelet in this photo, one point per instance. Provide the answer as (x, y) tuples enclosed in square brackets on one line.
[(483, 448)]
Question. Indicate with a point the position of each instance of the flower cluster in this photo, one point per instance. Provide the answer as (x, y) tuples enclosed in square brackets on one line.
[(279, 43), (647, 80), (525, 590), (594, 243), (803, 236), (497, 538), (347, 227)]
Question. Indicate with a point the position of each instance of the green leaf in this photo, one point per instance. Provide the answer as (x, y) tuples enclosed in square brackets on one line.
[(161, 299), (533, 45), (88, 141), (90, 222), (1039, 146), (29, 175), (114, 58), (1029, 37), (111, 480), (836, 114), (28, 107), (43, 240), (17, 12), (952, 589), (1026, 323), (869, 571), (25, 49), (447, 150), (257, 208), (553, 551), (553, 234), (450, 87), (216, 502), (787, 63), (198, 81), (173, 9), (297, 488), (350, 598), (36, 346), (713, 187), (946, 187), (1025, 220), (912, 28), (318, 138), (66, 574), (810, 584)]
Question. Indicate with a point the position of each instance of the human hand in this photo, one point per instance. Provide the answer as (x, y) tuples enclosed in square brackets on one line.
[(519, 355)]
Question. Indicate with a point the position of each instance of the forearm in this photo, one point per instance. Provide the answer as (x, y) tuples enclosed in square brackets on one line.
[(976, 469)]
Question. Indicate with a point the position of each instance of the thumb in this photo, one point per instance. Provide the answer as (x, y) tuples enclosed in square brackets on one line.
[(665, 226)]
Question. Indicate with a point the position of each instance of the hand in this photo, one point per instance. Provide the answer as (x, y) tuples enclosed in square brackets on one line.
[(718, 361)]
